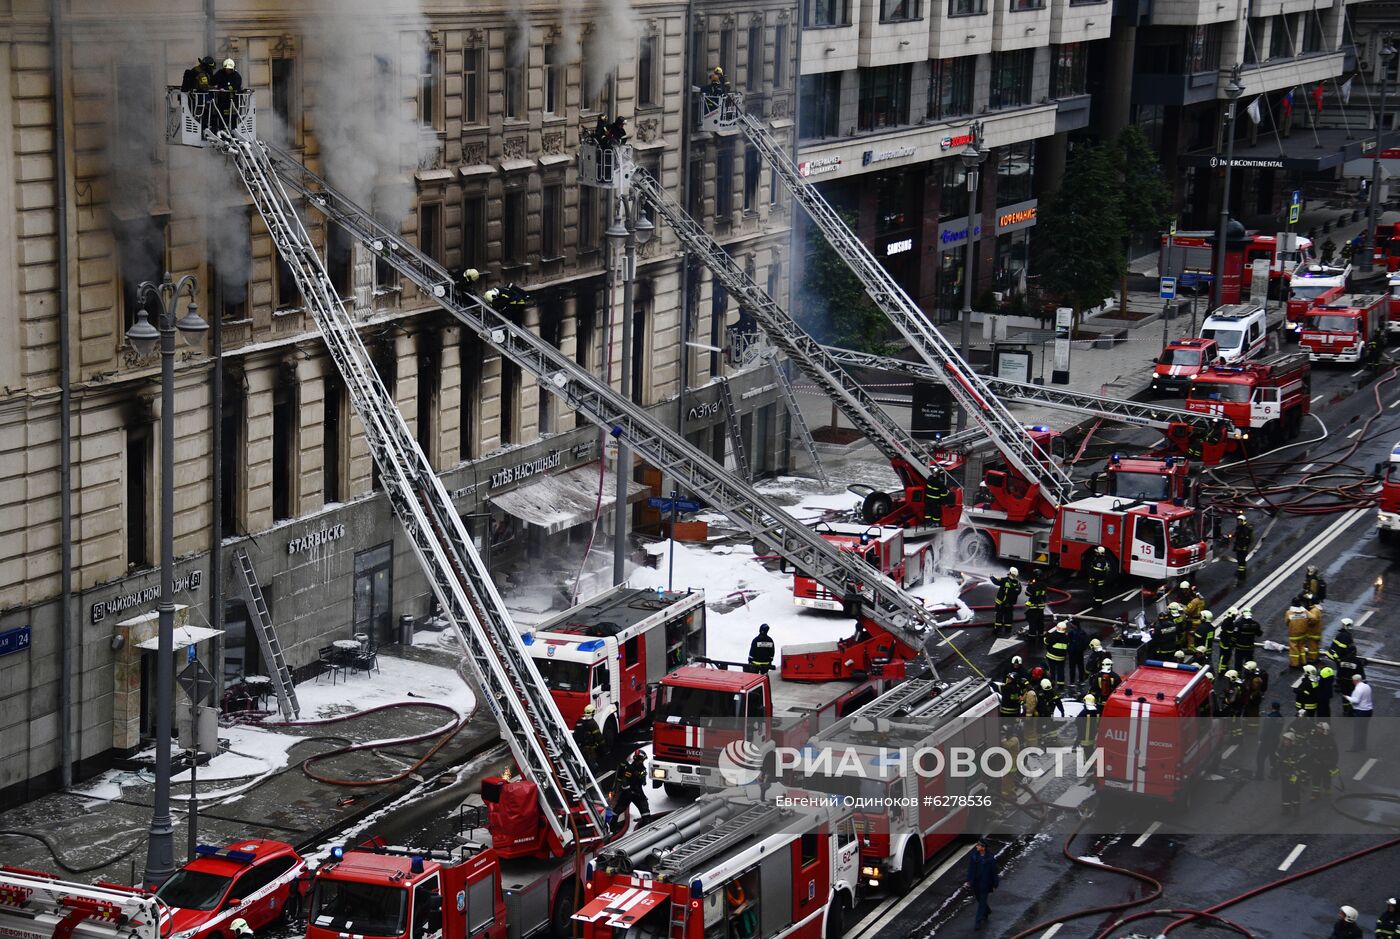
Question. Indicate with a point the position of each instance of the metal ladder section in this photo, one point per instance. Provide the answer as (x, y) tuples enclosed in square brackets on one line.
[(966, 385), (60, 907), (897, 699), (1128, 412), (794, 410), (735, 430), (702, 847), (267, 637), (530, 722), (868, 417), (887, 603)]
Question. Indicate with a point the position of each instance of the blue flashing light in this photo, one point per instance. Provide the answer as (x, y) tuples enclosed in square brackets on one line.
[(1116, 458), (697, 889), (415, 865), (617, 430), (528, 639), (241, 857), (592, 645), (337, 853), (206, 850), (1041, 428)]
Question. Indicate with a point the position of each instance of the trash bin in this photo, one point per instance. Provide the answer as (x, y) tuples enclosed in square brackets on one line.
[(406, 630)]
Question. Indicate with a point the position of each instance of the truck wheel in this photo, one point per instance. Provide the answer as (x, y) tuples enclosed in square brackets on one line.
[(561, 924), (291, 911), (911, 868), (976, 546), (676, 790), (876, 506), (609, 735), (836, 917)]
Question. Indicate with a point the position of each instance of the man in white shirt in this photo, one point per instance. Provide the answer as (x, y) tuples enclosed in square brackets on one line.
[(1360, 701)]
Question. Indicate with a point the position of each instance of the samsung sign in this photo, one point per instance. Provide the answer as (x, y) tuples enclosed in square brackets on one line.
[(899, 247)]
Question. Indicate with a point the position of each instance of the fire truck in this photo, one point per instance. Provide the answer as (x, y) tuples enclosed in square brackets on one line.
[(1313, 281), (1388, 518), (254, 879), (1267, 400), (35, 905), (1194, 252), (611, 651), (1156, 732), (777, 866), (1337, 331), (1386, 256), (1298, 307), (1146, 478), (706, 709), (1392, 322), (881, 546), (1180, 360), (910, 815)]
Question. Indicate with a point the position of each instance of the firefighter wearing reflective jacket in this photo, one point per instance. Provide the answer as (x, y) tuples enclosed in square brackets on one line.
[(1308, 692), (1095, 658), (1194, 605), (1008, 592), (1247, 633), (1242, 540), (1323, 772), (1010, 696), (1291, 777), (1057, 652), (1313, 645), (1295, 618), (589, 738), (1036, 599), (1256, 684), (1086, 724), (1048, 700), (629, 788), (1314, 584), (1388, 923), (1203, 632), (1099, 569), (935, 494), (1107, 681), (1225, 635), (1232, 703), (761, 652)]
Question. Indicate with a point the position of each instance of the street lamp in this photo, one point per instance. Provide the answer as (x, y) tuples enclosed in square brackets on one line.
[(1232, 94), (972, 158), (1387, 55), (629, 228), (144, 337)]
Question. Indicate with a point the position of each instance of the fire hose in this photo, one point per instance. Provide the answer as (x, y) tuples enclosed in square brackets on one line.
[(446, 732)]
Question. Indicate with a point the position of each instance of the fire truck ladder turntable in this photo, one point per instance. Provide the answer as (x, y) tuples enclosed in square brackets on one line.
[(888, 605), (33, 904), (967, 387), (530, 722)]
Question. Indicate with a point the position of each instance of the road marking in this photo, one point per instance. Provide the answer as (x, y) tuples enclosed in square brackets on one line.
[(878, 919), (1354, 433), (1287, 569), (1308, 467), (1292, 856), (1051, 931), (1142, 838), (1365, 768), (1316, 398), (1396, 404), (1228, 750), (1364, 617), (1358, 373)]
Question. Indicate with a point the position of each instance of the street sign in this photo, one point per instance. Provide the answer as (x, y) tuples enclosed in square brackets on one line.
[(1166, 289), (1173, 229), (196, 681), (1063, 317), (1293, 213), (1297, 197), (666, 505), (14, 640), (933, 410)]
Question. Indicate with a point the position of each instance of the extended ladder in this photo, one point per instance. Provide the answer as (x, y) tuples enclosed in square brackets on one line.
[(735, 431), (794, 410), (967, 387), (530, 721), (700, 848), (886, 603), (37, 905), (267, 637)]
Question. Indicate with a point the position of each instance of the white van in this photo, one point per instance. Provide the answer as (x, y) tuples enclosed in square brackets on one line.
[(1240, 329)]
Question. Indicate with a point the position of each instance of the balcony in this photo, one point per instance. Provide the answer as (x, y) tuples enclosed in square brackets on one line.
[(1264, 8), (1071, 113), (1303, 70), (1174, 89), (1196, 12), (1020, 24), (960, 27), (1079, 22), (892, 32)]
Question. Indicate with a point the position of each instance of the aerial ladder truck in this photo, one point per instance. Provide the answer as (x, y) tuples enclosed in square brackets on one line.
[(1026, 510), (896, 626), (37, 906)]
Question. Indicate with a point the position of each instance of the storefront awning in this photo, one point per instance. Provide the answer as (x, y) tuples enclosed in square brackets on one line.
[(564, 500), (620, 906), (184, 636)]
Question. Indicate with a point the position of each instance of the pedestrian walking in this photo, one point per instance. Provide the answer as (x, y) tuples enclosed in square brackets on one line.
[(1057, 651), (1037, 598), (982, 879), (1099, 569), (1242, 540), (1008, 592), (1346, 926), (1361, 706), (1078, 642), (1388, 923), (761, 652), (1270, 730)]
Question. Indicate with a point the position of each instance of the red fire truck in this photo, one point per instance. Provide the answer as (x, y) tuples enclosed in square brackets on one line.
[(1194, 252), (611, 651), (1156, 733), (1267, 400), (1181, 360), (1299, 306), (1337, 331), (729, 865), (1147, 478), (881, 546), (1387, 251), (704, 709), (915, 812), (1388, 518)]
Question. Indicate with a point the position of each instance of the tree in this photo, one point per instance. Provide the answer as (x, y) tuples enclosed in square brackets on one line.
[(1079, 234), (1147, 199), (831, 303)]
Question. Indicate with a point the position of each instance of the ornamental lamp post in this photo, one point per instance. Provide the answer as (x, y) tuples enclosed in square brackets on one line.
[(1232, 94)]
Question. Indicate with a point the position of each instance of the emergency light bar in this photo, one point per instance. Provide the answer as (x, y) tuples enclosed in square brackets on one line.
[(229, 854)]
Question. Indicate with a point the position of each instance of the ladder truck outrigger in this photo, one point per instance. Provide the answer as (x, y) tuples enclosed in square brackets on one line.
[(1029, 512)]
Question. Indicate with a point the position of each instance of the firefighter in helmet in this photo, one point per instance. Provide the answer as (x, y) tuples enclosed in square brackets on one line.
[(1099, 569), (1057, 651), (761, 652), (1308, 693), (1289, 761), (1323, 772), (589, 738), (1242, 540), (1247, 633), (1107, 681), (1313, 583), (1295, 620), (1346, 927), (1008, 592), (1037, 597), (1087, 724), (629, 788), (717, 87), (1313, 645), (241, 929)]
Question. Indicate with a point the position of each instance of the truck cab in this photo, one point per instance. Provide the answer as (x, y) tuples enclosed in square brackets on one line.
[(1240, 330), (1155, 540), (881, 546), (1266, 400), (1157, 479), (1338, 331), (1155, 732), (1313, 281), (255, 879), (612, 650), (1180, 361), (1298, 307), (1388, 518)]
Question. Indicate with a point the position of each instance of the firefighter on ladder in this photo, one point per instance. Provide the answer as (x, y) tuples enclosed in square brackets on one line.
[(1242, 540), (1036, 600), (1008, 592), (1099, 570)]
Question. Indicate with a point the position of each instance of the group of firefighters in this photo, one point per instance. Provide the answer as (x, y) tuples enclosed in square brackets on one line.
[(220, 85)]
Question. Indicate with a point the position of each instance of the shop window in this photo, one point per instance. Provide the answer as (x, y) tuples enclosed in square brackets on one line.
[(138, 497), (430, 90), (140, 258), (780, 54), (646, 72), (884, 97), (895, 11), (1069, 73), (552, 221), (472, 83), (513, 228), (517, 61), (1015, 173), (820, 110), (953, 196), (1011, 78), (333, 440), (950, 87), (826, 13)]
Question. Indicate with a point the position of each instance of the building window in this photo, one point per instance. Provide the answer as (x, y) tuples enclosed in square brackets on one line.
[(754, 75), (1018, 6), (1205, 47), (473, 357), (553, 80), (517, 60), (429, 388), (513, 228), (752, 172), (884, 97), (333, 440), (1312, 32), (597, 83), (287, 295), (137, 125), (340, 259), (510, 401), (895, 198), (429, 87), (585, 323), (950, 87), (646, 72), (819, 110), (952, 201), (430, 230), (724, 180), (474, 231), (472, 73), (695, 189), (641, 315), (552, 221), (826, 13), (780, 54), (775, 278), (384, 357), (587, 218), (284, 93), (895, 11), (726, 50), (967, 7), (234, 457), (1011, 78), (138, 497), (774, 186), (1070, 71), (284, 449), (140, 257), (1016, 173)]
